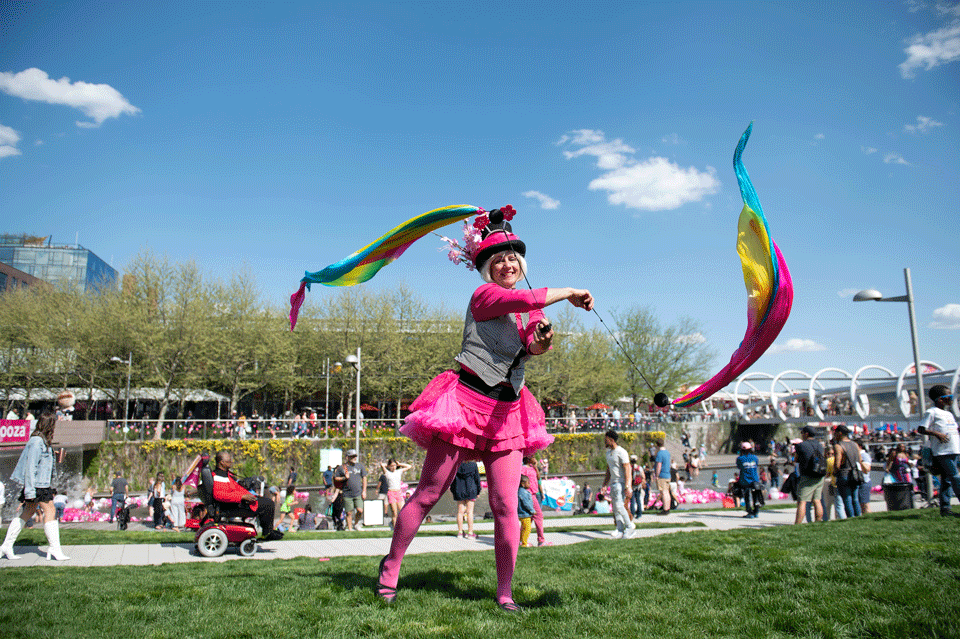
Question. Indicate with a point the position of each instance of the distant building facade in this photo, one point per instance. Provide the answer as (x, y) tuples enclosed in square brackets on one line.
[(13, 278), (58, 265)]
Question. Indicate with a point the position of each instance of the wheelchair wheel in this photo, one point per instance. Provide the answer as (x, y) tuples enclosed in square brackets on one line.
[(248, 547), (212, 542)]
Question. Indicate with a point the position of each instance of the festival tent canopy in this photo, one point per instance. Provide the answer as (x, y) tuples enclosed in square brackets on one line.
[(100, 395), (598, 406)]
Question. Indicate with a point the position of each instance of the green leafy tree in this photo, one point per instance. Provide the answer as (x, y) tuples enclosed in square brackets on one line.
[(580, 369), (249, 349), (171, 318), (30, 337), (669, 357)]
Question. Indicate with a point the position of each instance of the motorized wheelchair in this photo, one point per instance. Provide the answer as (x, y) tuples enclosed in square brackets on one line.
[(218, 524)]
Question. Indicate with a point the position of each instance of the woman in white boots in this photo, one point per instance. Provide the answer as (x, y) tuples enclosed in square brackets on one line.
[(34, 472)]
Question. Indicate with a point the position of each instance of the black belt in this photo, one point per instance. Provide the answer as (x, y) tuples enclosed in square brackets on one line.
[(499, 392)]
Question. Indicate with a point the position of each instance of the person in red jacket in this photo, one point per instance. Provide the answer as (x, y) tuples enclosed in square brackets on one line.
[(227, 490)]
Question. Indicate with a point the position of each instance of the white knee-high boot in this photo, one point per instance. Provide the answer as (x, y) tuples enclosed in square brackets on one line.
[(52, 530), (13, 531)]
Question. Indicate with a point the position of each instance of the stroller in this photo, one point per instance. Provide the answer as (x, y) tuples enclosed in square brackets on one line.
[(123, 516)]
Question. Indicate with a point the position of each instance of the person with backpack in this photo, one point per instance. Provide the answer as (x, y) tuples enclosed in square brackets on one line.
[(813, 467), (848, 470)]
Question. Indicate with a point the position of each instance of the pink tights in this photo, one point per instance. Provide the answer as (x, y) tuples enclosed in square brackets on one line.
[(439, 469)]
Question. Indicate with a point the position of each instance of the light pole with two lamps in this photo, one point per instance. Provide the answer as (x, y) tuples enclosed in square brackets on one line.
[(354, 360), (129, 363)]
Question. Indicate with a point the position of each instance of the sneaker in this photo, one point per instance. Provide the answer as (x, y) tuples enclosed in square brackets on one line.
[(632, 526), (545, 543), (616, 534), (359, 526), (460, 534), (472, 536)]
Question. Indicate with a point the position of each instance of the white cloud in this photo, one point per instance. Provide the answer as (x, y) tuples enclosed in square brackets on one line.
[(895, 158), (692, 338), (797, 345), (932, 49), (819, 136), (546, 202), (673, 138), (848, 292), (97, 101), (923, 123), (947, 317), (8, 142), (868, 149), (654, 184)]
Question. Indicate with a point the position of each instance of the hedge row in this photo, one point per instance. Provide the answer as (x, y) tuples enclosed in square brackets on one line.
[(272, 458)]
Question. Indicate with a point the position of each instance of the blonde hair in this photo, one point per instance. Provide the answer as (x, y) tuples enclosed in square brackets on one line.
[(485, 269)]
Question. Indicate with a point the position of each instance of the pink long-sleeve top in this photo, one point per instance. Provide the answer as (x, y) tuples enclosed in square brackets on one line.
[(492, 300)]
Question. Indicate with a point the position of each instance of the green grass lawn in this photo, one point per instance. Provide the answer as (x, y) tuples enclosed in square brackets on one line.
[(886, 575)]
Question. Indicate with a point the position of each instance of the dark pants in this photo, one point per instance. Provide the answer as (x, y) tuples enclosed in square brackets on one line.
[(263, 513), (751, 501), (946, 467), (116, 501), (157, 512)]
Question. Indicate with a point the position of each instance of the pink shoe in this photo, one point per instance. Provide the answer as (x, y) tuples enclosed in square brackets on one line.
[(545, 543), (472, 536)]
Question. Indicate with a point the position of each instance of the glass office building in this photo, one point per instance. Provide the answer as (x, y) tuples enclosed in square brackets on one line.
[(70, 265)]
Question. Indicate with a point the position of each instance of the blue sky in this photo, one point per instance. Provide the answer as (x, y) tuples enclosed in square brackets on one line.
[(282, 136)]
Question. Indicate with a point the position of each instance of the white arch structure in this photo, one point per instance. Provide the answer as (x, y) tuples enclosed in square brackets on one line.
[(812, 393), (860, 402), (902, 394), (854, 387), (774, 398), (743, 380)]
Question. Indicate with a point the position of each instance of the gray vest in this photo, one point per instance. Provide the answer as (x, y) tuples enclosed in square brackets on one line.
[(489, 349)]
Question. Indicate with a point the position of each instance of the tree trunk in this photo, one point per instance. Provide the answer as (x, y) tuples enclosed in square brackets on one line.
[(164, 404)]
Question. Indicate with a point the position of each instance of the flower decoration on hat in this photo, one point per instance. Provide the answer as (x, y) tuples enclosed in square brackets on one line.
[(489, 233)]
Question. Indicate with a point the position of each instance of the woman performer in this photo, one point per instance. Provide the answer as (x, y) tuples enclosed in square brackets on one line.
[(34, 471), (484, 412)]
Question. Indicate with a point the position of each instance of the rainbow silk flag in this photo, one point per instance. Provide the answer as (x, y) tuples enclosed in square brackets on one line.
[(365, 263), (769, 287)]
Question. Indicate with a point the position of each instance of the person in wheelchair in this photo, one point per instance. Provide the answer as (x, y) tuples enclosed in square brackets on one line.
[(235, 500)]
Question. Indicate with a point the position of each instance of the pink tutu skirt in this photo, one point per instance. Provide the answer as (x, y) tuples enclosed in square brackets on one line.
[(463, 417)]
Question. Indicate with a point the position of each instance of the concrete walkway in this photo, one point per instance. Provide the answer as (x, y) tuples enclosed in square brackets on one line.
[(163, 553)]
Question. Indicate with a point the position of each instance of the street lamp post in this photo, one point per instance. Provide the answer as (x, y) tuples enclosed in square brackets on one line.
[(126, 403), (354, 360), (874, 295), (326, 404)]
